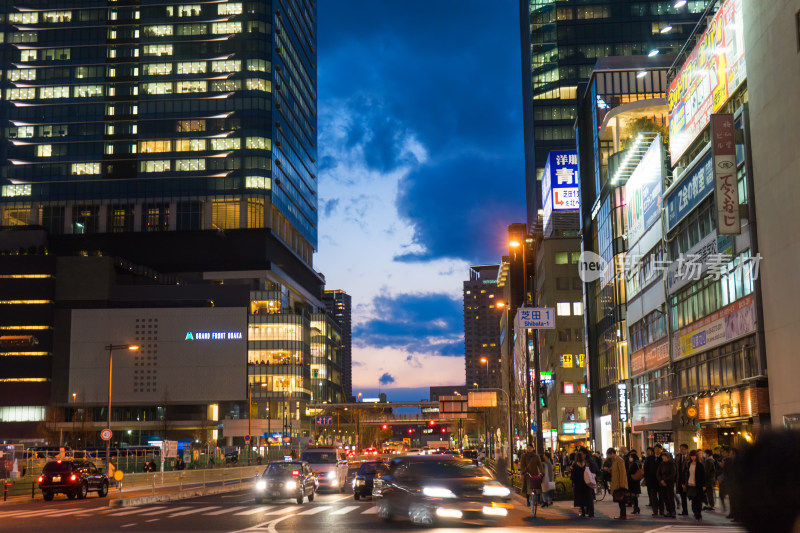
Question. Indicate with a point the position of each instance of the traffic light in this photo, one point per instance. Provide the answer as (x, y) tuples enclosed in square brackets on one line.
[(410, 431), (444, 430), (542, 401), (431, 423)]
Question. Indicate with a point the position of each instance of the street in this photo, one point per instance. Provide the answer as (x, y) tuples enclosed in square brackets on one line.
[(236, 512)]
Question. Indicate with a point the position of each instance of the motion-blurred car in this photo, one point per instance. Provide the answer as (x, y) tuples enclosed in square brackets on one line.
[(363, 482), (428, 489), (371, 451), (73, 478), (329, 465), (290, 480)]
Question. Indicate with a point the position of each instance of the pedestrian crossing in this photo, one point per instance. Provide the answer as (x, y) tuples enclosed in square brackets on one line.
[(695, 528)]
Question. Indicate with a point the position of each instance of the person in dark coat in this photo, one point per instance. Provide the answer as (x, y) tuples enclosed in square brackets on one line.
[(583, 494), (710, 467), (634, 485), (681, 460), (667, 474), (693, 483), (650, 479)]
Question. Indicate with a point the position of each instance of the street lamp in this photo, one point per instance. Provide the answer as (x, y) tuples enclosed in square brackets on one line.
[(485, 361), (111, 348), (249, 416), (74, 416)]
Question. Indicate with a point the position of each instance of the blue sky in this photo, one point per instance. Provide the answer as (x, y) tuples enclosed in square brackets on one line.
[(421, 169)]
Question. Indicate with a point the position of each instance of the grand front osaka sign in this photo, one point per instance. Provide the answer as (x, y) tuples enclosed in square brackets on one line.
[(713, 71), (213, 336)]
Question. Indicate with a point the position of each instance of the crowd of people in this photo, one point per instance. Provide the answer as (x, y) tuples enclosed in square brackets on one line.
[(682, 483)]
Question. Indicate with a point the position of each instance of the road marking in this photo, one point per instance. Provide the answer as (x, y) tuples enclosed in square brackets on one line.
[(129, 525), (153, 520), (371, 510), (167, 510), (335, 499), (133, 511), (192, 511), (223, 511), (345, 510), (254, 510), (285, 510), (315, 510)]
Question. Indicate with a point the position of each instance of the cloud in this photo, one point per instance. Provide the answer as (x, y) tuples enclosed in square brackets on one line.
[(386, 379)]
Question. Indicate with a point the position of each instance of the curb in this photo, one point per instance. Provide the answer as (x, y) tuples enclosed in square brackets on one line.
[(174, 496)]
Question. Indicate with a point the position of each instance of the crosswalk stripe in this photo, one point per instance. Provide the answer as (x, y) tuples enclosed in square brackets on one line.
[(192, 511), (30, 514), (166, 510), (371, 510), (345, 510), (254, 510), (315, 510), (134, 511), (285, 510), (226, 510)]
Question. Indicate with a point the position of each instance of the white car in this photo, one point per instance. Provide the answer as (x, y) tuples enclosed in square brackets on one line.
[(329, 465)]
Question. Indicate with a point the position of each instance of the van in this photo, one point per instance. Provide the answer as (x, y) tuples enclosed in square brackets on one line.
[(329, 465)]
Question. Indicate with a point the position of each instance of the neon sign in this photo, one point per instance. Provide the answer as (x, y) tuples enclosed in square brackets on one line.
[(213, 336)]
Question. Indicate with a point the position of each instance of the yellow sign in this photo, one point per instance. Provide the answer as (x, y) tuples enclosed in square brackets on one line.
[(691, 412), (581, 360), (118, 475), (566, 360)]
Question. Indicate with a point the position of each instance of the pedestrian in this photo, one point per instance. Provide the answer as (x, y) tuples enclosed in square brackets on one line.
[(619, 480), (548, 481), (210, 462), (729, 479), (681, 460), (523, 462), (667, 475), (693, 482), (582, 492), (501, 467), (710, 467), (635, 476), (651, 481), (533, 467)]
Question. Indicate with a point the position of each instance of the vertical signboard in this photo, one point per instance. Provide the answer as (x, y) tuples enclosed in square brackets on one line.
[(622, 392), (713, 71), (560, 187), (643, 193), (723, 151)]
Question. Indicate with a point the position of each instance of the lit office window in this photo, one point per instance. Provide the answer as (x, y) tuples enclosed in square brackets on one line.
[(55, 17), (23, 93), (231, 143), (192, 67), (192, 10), (12, 191), (27, 74), (87, 91), (160, 30), (20, 132), (79, 169), (231, 8), (258, 65), (190, 145), (162, 165), (257, 84), (155, 146), (229, 65), (157, 88), (225, 214), (18, 215), (191, 29), (577, 308), (44, 150), (562, 309), (258, 143), (53, 92), (108, 149), (190, 165), (157, 69), (23, 18), (257, 182), (27, 55), (22, 413), (157, 50), (53, 130), (156, 217), (191, 125), (56, 54), (226, 85), (255, 213), (183, 87), (22, 37), (219, 28)]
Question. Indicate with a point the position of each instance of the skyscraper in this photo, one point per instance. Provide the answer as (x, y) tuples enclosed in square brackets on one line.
[(482, 327), (338, 305), (561, 43)]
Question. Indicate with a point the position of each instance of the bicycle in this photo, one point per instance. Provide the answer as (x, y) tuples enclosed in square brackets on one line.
[(535, 484), (600, 490), (561, 490)]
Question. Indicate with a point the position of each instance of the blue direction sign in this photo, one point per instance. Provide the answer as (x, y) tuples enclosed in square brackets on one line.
[(535, 318), (324, 420)]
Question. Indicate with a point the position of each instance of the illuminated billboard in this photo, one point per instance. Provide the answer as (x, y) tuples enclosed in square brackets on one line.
[(713, 71), (643, 199), (560, 186)]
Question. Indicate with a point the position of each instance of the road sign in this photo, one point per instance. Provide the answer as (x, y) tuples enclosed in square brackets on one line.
[(247, 438), (324, 420), (106, 434), (535, 318), (118, 475)]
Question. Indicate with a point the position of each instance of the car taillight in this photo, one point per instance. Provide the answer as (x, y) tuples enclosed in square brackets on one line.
[(41, 478), (73, 477), (295, 473)]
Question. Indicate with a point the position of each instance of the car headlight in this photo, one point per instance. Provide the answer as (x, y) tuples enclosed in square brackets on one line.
[(332, 476), (496, 490), (291, 485), (359, 482), (437, 492), (261, 485)]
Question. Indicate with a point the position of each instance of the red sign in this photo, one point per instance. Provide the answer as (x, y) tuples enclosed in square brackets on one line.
[(727, 191), (106, 434)]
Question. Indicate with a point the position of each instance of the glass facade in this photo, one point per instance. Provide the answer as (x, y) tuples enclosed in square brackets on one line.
[(157, 116)]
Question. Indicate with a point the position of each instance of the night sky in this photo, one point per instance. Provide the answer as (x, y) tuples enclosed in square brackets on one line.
[(421, 168)]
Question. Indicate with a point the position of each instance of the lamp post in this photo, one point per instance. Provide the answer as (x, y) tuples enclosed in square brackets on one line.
[(485, 361), (249, 416), (358, 423), (111, 348), (74, 416)]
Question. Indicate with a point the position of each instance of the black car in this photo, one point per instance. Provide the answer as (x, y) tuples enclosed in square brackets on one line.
[(434, 487), (73, 478), (291, 479), (363, 482)]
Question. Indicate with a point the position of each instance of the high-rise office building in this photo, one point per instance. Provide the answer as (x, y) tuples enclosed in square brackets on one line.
[(561, 42), (482, 327), (338, 304), (161, 155)]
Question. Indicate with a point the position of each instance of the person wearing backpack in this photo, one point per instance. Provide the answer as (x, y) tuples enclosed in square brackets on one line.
[(583, 486), (635, 476)]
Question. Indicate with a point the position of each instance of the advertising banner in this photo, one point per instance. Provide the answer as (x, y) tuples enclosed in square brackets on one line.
[(657, 354), (693, 189), (560, 187), (643, 193), (713, 71), (637, 363), (727, 324), (726, 188)]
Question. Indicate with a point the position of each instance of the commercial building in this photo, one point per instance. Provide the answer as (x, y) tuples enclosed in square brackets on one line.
[(772, 41), (162, 156), (339, 305), (561, 42), (482, 327)]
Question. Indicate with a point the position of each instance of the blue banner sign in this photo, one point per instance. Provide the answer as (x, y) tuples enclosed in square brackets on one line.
[(692, 190)]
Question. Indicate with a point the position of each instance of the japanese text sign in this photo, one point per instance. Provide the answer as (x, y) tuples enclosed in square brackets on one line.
[(725, 186), (535, 318)]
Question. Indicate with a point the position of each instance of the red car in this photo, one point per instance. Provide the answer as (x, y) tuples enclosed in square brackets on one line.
[(370, 451)]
